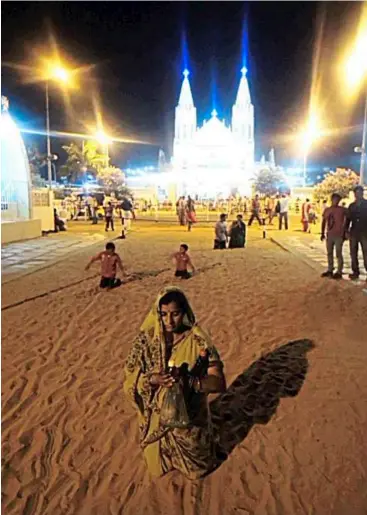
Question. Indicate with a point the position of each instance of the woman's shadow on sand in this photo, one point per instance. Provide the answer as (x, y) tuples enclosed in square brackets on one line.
[(254, 395)]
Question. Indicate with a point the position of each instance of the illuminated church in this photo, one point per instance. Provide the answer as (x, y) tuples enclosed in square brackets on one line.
[(215, 159)]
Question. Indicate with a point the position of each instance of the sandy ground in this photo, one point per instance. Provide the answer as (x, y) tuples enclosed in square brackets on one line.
[(294, 423)]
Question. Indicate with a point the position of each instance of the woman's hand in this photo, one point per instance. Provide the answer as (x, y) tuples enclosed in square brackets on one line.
[(165, 380)]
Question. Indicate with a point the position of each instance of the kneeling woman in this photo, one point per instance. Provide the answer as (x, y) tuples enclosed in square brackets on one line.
[(169, 333)]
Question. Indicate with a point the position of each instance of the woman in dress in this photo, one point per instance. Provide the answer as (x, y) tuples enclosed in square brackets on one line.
[(168, 333), (190, 213), (237, 234)]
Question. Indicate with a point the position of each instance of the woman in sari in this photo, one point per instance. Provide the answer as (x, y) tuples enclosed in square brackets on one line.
[(237, 234), (190, 213), (168, 333)]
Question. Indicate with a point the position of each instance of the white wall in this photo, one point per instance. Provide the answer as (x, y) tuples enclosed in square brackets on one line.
[(43, 208)]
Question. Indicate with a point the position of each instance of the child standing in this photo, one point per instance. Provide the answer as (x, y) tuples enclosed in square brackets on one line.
[(182, 261), (110, 260)]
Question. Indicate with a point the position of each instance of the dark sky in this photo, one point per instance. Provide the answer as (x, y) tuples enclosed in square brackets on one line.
[(136, 51)]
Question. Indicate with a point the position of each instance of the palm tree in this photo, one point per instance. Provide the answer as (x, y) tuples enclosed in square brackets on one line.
[(82, 159)]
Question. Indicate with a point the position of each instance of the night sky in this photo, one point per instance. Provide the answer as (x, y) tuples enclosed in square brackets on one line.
[(136, 49)]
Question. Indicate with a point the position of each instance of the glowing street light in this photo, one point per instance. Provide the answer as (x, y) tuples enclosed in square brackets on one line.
[(57, 73), (104, 140), (60, 73)]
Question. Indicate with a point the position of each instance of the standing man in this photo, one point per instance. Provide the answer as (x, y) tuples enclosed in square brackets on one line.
[(221, 232), (271, 208), (283, 212), (333, 219), (94, 211), (306, 206), (181, 210), (127, 208), (109, 217), (356, 226), (255, 210)]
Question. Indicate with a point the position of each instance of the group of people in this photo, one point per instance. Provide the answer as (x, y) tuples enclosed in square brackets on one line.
[(125, 210), (234, 237), (274, 206), (340, 224)]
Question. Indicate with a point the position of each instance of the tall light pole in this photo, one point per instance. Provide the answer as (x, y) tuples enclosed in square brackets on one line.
[(311, 133), (304, 169), (362, 170), (49, 168), (356, 75), (62, 75)]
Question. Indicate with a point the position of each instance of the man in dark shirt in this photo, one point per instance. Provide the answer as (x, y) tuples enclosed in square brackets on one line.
[(356, 224), (333, 219), (255, 211)]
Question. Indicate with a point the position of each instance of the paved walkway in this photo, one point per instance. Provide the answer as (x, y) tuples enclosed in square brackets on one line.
[(313, 250), (26, 257)]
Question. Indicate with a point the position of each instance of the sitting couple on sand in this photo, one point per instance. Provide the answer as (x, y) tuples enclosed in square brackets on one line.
[(236, 235)]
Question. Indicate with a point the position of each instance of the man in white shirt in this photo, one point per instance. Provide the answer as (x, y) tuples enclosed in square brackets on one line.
[(283, 213), (221, 233)]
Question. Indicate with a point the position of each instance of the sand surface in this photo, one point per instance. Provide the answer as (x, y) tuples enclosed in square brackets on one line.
[(294, 424)]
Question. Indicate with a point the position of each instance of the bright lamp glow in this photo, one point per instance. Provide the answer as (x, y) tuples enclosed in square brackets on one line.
[(102, 138), (312, 132), (57, 73), (60, 73)]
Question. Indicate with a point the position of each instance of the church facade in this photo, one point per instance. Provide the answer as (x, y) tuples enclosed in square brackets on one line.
[(215, 159)]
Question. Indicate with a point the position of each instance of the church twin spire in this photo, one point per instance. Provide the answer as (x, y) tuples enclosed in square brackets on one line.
[(243, 94), (186, 99), (243, 98)]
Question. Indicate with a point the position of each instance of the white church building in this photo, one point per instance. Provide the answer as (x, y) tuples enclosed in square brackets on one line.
[(216, 158)]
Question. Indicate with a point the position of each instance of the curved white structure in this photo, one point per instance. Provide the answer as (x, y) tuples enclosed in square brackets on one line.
[(15, 172), (17, 221)]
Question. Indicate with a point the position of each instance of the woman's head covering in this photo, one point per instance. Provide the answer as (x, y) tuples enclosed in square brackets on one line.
[(153, 323)]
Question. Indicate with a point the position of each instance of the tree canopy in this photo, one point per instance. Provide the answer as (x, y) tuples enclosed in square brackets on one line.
[(111, 177), (342, 181), (269, 180)]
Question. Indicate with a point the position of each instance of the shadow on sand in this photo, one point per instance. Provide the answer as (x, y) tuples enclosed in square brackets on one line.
[(254, 395)]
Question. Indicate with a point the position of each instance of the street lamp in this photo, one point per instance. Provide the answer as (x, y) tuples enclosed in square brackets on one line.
[(60, 74), (104, 140)]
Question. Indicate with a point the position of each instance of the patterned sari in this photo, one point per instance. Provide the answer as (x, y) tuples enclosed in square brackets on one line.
[(191, 450)]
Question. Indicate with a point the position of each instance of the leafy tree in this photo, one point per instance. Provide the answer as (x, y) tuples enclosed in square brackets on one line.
[(269, 180), (342, 181), (36, 162), (82, 159), (111, 178)]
